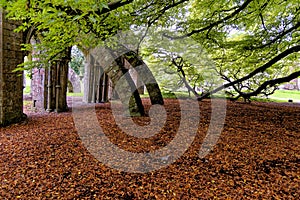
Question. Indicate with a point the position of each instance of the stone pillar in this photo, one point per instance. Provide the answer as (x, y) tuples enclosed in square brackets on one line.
[(49, 86), (38, 87), (96, 82), (105, 85), (38, 82), (88, 78), (11, 83)]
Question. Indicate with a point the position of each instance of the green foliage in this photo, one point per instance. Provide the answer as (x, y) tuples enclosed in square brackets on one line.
[(287, 94), (77, 61), (242, 39), (27, 89), (239, 36), (60, 24), (169, 58)]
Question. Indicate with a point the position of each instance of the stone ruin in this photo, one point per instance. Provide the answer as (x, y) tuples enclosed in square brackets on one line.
[(74, 85), (11, 83), (48, 86), (38, 85)]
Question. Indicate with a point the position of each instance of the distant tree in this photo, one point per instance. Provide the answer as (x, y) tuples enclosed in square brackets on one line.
[(178, 64), (77, 60)]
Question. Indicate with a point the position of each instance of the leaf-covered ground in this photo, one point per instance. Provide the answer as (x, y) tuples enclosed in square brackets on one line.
[(257, 157)]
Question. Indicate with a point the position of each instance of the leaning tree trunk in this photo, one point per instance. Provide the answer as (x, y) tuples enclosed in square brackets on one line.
[(113, 64), (125, 87), (146, 77), (101, 63)]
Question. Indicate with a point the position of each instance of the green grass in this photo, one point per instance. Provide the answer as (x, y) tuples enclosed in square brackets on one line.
[(267, 100), (170, 95), (278, 96), (75, 94), (286, 94), (26, 89), (27, 103)]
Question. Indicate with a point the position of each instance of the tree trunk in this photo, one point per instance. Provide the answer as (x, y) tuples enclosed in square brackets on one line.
[(114, 67), (146, 77), (125, 87), (62, 86), (271, 83)]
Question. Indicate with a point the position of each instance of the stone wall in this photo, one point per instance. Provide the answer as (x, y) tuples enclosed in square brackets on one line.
[(11, 83), (97, 85), (75, 81), (37, 88), (292, 85)]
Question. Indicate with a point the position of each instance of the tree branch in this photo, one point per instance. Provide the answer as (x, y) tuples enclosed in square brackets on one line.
[(256, 71), (166, 8), (271, 83), (115, 5), (111, 6), (237, 11), (183, 76), (281, 35)]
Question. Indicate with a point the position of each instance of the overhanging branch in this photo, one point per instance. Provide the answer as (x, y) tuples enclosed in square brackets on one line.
[(281, 35), (210, 26), (253, 73), (271, 83)]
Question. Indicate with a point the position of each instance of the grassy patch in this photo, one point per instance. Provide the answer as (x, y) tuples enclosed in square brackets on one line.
[(26, 89), (75, 94), (260, 99), (170, 95), (27, 103), (286, 94)]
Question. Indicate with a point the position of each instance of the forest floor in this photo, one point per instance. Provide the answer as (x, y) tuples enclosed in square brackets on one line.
[(257, 156)]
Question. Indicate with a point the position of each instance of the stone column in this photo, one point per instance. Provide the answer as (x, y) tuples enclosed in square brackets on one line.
[(11, 83), (38, 87), (88, 79)]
